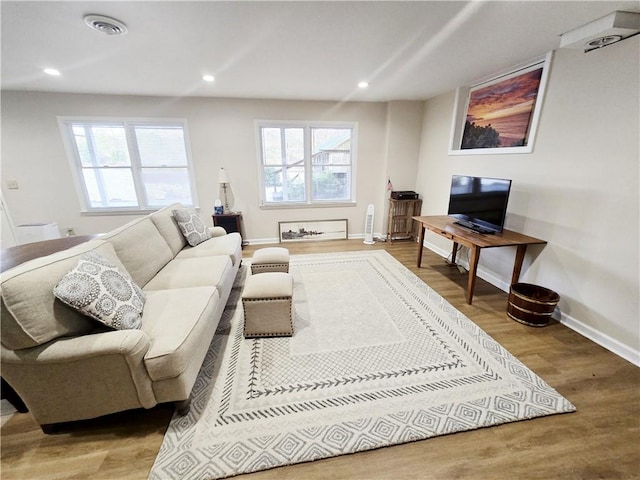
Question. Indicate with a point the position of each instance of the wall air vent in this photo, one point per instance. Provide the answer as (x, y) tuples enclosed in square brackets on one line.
[(106, 25), (602, 32)]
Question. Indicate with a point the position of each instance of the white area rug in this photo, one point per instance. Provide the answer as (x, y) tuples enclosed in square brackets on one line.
[(378, 358)]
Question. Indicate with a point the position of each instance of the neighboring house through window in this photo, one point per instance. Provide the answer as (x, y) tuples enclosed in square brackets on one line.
[(307, 163), (126, 164)]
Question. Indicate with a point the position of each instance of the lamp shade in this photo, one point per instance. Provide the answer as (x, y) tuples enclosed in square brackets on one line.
[(222, 176)]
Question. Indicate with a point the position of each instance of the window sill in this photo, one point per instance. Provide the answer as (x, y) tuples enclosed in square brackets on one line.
[(140, 212), (283, 206)]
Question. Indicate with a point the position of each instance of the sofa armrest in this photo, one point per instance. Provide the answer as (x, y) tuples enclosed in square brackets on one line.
[(81, 377), (120, 342), (217, 231)]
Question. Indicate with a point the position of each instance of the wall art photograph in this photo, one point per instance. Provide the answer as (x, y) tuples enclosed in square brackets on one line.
[(500, 115), (313, 230)]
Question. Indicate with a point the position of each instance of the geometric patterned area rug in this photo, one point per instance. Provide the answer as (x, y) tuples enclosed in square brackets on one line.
[(377, 359)]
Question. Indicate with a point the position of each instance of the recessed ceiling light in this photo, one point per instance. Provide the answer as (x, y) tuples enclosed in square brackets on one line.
[(208, 78), (52, 71), (363, 84), (106, 25)]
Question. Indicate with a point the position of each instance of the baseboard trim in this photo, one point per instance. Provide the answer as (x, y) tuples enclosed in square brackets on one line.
[(262, 241), (574, 324), (601, 339)]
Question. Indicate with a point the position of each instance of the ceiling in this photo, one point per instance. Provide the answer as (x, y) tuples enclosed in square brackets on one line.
[(286, 50)]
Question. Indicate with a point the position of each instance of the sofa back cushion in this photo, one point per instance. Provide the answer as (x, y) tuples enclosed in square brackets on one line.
[(166, 224), (141, 249), (31, 315)]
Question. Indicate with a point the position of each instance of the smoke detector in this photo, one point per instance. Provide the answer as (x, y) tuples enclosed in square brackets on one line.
[(602, 32), (106, 25)]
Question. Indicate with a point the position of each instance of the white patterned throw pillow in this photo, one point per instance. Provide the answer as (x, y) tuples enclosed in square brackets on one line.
[(192, 227), (100, 290)]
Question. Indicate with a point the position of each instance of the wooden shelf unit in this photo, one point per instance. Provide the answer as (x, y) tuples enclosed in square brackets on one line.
[(400, 225)]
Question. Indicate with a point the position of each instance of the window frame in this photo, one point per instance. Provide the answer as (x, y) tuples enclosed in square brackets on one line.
[(129, 124), (307, 126)]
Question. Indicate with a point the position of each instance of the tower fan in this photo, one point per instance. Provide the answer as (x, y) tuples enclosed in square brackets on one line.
[(368, 226)]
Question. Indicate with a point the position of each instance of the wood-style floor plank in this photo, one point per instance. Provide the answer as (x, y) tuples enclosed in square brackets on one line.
[(600, 440)]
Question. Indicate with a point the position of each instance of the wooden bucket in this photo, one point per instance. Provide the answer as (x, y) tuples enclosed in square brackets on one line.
[(531, 304)]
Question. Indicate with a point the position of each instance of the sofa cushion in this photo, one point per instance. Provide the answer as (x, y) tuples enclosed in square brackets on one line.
[(168, 227), (174, 321), (102, 291), (141, 248), (192, 226), (229, 244), (38, 317), (193, 272)]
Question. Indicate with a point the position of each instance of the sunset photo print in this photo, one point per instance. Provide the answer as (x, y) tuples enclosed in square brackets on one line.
[(499, 115)]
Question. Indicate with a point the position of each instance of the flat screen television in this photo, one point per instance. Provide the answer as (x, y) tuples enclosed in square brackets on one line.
[(479, 203)]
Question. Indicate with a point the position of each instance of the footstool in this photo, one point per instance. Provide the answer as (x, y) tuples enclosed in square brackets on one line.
[(272, 259), (266, 301)]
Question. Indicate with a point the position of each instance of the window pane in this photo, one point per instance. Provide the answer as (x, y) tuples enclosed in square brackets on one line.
[(294, 143), (284, 188), (161, 146), (273, 191), (272, 146), (110, 187), (107, 146), (272, 142), (294, 188), (331, 182), (331, 146), (165, 186), (82, 145)]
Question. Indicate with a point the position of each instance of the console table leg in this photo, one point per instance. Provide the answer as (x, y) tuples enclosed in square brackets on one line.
[(420, 244), (473, 269), (517, 264), (454, 252)]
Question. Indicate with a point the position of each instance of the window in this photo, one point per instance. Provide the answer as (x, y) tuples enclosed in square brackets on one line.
[(130, 165), (306, 164)]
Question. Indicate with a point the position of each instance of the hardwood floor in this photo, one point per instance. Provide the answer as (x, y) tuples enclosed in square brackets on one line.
[(600, 441)]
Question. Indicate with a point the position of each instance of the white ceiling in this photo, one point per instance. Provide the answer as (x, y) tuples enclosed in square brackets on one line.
[(287, 50)]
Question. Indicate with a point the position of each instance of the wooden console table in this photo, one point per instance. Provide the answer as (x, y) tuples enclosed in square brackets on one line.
[(443, 225)]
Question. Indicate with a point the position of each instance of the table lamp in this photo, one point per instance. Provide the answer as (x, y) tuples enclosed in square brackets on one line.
[(223, 179)]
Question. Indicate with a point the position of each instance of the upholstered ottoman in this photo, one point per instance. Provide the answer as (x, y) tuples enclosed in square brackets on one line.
[(272, 259), (266, 301)]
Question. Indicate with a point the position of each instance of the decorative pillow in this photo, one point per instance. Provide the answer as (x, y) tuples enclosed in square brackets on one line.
[(98, 289), (191, 226)]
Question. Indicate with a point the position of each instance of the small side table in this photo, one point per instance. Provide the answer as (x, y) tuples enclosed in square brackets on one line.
[(231, 222)]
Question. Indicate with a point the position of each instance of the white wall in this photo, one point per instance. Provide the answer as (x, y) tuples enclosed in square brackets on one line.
[(404, 130), (222, 134), (578, 190)]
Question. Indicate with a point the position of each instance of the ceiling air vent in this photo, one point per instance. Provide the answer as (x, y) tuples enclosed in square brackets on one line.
[(106, 25)]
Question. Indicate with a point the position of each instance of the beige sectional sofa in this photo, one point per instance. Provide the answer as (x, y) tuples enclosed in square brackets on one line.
[(65, 366)]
